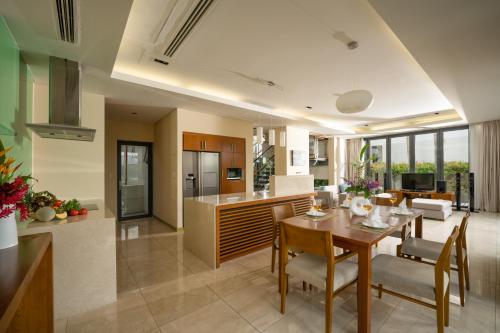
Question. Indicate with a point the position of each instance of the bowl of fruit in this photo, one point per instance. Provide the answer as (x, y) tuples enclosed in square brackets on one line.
[(45, 206)]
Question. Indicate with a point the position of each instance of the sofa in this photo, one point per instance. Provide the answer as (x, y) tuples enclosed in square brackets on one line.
[(433, 208)]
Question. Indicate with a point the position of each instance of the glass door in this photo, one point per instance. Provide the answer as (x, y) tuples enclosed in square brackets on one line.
[(400, 160), (134, 180)]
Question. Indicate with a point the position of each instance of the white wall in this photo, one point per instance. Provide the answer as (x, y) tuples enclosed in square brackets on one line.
[(67, 168), (296, 139)]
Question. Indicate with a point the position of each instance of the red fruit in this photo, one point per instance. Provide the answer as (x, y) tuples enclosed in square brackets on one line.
[(73, 212), (83, 211)]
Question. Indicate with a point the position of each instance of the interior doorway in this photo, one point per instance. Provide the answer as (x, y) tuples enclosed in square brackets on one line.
[(134, 185)]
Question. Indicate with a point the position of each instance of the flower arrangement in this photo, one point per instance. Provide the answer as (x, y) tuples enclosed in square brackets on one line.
[(13, 189), (359, 183)]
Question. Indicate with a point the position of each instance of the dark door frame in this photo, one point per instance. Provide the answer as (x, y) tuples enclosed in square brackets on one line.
[(149, 147)]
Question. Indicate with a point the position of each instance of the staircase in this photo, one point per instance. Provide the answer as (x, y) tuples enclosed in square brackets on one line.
[(263, 165)]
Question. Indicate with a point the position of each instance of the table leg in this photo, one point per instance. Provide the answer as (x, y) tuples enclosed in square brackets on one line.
[(364, 288), (418, 226)]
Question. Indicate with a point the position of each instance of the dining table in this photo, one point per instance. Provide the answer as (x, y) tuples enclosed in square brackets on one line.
[(348, 232)]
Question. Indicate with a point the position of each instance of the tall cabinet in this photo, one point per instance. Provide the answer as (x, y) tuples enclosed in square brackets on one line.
[(231, 154)]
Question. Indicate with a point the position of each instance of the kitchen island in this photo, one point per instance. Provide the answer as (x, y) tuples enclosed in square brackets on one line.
[(220, 227), (84, 258)]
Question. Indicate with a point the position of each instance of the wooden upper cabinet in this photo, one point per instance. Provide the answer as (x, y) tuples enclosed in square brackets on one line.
[(201, 142), (239, 160), (192, 141), (212, 143), (233, 145)]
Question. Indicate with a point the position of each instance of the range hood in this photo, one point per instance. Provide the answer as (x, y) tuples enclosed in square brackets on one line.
[(64, 104)]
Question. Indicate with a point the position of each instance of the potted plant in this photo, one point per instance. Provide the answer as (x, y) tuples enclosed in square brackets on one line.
[(13, 189)]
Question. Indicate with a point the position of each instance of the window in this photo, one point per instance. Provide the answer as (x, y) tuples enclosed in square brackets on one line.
[(425, 153), (378, 166), (400, 160), (456, 160), (443, 152)]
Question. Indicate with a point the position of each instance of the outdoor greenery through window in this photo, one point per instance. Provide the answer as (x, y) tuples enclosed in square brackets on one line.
[(443, 152)]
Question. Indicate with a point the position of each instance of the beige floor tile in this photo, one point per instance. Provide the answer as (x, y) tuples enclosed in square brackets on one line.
[(124, 278), (161, 290), (177, 305), (138, 247), (216, 317), (60, 325)]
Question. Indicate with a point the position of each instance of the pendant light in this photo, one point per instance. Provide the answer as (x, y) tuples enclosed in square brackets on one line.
[(283, 138), (260, 135), (272, 137)]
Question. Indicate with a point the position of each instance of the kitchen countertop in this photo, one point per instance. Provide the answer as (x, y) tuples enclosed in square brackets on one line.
[(101, 213), (228, 199)]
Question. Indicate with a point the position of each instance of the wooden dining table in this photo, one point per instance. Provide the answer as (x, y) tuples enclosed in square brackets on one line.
[(349, 233)]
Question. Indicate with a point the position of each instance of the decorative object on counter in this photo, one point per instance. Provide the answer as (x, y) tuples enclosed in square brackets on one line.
[(13, 190), (72, 207), (359, 183), (41, 199), (45, 214)]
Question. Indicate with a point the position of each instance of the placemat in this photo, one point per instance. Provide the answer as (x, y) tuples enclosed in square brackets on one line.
[(316, 219), (360, 226)]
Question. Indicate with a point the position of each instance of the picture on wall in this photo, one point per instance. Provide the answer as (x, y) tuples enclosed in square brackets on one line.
[(299, 158)]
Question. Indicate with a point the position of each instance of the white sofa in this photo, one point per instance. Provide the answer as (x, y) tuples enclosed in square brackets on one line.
[(433, 208)]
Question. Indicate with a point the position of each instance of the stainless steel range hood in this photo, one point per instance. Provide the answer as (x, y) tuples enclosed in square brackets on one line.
[(64, 104)]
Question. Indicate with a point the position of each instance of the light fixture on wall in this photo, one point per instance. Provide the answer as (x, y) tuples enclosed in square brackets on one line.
[(272, 137), (260, 135)]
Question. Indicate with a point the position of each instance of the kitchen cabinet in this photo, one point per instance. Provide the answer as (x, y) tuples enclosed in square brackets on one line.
[(202, 142), (232, 156)]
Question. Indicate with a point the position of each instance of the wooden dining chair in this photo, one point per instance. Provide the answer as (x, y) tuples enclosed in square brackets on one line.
[(316, 264), (279, 212), (405, 278), (425, 249)]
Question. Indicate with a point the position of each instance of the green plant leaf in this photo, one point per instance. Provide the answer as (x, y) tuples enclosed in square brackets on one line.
[(2, 148), (362, 152)]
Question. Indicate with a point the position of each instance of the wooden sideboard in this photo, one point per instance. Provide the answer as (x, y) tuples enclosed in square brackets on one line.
[(409, 195), (232, 155), (26, 285)]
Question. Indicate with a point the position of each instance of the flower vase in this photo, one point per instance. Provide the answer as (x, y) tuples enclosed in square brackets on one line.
[(8, 231)]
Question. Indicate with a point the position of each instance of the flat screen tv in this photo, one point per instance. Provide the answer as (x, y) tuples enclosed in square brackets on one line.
[(418, 181)]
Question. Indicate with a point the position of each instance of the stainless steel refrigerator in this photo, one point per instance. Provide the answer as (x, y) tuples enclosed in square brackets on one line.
[(200, 173)]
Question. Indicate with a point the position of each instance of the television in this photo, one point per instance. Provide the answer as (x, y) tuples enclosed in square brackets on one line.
[(418, 181)]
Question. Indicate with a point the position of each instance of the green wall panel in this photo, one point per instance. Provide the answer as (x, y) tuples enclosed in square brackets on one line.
[(16, 96)]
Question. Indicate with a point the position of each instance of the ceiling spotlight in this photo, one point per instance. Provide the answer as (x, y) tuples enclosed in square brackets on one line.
[(271, 83), (163, 62), (309, 107), (134, 113), (366, 125), (436, 112)]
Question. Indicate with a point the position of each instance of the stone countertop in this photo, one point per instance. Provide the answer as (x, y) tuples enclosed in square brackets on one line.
[(102, 213), (228, 199)]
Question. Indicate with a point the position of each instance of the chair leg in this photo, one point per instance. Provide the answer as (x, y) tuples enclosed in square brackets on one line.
[(310, 287), (304, 285), (446, 306), (461, 283), (284, 287), (466, 272), (286, 283), (440, 311), (273, 259), (379, 291)]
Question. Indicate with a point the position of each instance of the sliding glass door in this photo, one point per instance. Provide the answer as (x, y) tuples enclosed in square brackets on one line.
[(456, 161), (400, 159)]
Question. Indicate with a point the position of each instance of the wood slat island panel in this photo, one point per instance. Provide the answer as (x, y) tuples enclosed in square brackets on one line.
[(222, 227)]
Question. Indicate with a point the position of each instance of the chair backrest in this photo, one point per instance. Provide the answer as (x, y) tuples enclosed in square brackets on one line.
[(316, 242), (281, 212), (443, 262), (461, 239)]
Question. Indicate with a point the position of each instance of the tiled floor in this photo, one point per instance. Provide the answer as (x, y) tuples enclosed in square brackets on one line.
[(163, 288)]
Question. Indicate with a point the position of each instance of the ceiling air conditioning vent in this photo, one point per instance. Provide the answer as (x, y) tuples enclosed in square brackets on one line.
[(66, 19), (196, 14)]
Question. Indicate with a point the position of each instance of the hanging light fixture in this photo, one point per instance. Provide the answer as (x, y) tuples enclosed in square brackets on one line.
[(272, 137), (283, 138), (260, 135)]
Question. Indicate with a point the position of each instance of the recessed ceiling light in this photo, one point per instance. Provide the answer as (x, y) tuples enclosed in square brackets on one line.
[(436, 112), (366, 125), (134, 113), (163, 62), (309, 107)]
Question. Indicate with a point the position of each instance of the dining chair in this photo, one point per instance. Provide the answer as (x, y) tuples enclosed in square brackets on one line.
[(425, 249), (316, 264), (405, 278), (279, 212)]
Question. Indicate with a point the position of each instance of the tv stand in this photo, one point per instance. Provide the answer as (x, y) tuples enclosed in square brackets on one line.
[(409, 195)]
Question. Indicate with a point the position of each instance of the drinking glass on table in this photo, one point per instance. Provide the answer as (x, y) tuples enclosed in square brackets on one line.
[(317, 204), (393, 198), (367, 206)]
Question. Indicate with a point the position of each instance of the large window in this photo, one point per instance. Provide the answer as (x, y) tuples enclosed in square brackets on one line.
[(378, 166), (400, 159), (456, 161), (443, 152)]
